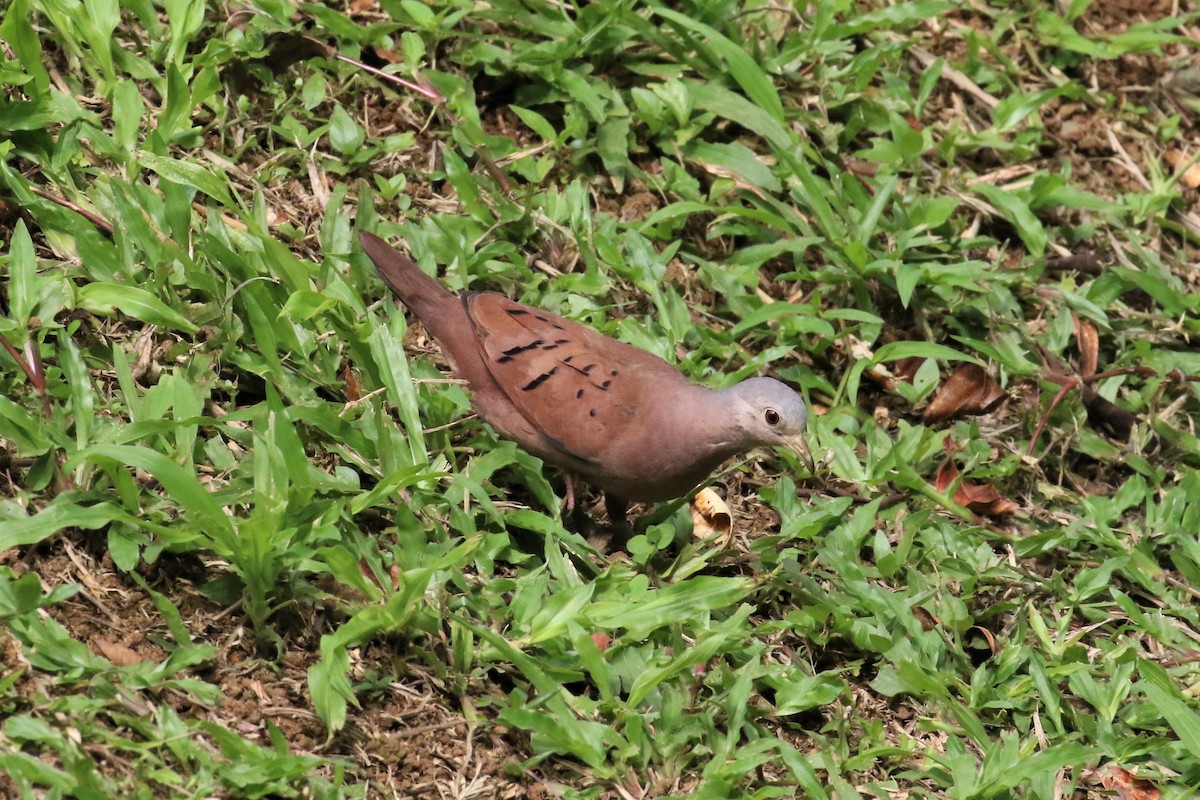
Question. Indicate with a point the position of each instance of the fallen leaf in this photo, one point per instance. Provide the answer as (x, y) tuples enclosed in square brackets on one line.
[(1101, 412), (981, 498), (117, 653), (1089, 346), (602, 641), (390, 56), (1126, 785), (353, 387), (880, 373), (857, 166), (710, 515), (906, 368), (988, 637), (970, 390), (928, 620)]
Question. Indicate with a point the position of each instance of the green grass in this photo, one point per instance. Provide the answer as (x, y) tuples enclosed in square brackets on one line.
[(226, 467)]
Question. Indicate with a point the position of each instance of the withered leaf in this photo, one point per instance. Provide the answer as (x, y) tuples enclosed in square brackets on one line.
[(926, 618), (710, 515), (988, 637), (981, 498), (970, 390), (353, 386), (1126, 785), (906, 368), (1089, 346), (117, 653)]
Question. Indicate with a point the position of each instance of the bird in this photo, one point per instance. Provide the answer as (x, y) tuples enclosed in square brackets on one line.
[(618, 417)]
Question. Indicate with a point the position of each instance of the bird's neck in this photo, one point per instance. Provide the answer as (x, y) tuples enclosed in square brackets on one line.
[(708, 423)]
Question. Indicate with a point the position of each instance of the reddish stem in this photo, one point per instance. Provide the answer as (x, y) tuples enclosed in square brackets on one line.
[(1067, 384), (97, 220), (32, 369)]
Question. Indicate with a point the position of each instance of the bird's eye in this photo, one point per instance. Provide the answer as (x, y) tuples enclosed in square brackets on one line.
[(771, 416)]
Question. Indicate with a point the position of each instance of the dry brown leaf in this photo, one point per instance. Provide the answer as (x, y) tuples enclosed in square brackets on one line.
[(1089, 346), (390, 56), (353, 387), (927, 618), (859, 350), (989, 637), (1102, 413), (906, 368), (970, 390), (710, 515), (857, 166), (981, 498), (1126, 785), (117, 653)]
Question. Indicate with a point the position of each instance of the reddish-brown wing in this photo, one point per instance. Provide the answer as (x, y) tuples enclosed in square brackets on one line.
[(582, 389)]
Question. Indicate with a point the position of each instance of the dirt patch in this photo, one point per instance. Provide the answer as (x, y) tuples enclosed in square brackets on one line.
[(410, 737)]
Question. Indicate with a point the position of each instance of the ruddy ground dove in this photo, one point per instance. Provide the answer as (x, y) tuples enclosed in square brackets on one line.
[(619, 417)]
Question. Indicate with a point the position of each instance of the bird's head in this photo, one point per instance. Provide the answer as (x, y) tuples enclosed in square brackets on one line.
[(771, 414)]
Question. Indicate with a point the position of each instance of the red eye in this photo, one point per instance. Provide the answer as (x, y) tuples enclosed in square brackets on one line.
[(771, 416)]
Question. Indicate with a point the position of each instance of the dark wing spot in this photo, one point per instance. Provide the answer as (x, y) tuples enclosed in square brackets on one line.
[(561, 341), (613, 373), (521, 348), (605, 385), (504, 359), (516, 312), (557, 326), (540, 318), (550, 347), (588, 368), (579, 395), (568, 359), (539, 380), (592, 413)]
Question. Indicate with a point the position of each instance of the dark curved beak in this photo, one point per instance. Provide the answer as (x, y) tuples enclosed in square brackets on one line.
[(800, 445)]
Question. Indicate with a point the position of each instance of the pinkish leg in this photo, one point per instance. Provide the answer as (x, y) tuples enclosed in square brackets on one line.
[(570, 493)]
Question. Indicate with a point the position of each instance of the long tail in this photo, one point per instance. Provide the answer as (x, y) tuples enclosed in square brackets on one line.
[(423, 295), (440, 310)]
